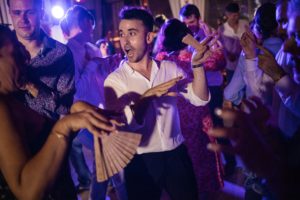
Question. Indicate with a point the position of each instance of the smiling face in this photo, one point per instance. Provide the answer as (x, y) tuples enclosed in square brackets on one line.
[(25, 15), (135, 39)]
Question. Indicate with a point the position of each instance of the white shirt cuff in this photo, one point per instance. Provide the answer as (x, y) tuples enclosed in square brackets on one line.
[(284, 87), (195, 100), (251, 64)]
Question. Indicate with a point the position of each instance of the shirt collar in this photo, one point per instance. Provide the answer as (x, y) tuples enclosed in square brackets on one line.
[(154, 68), (129, 69), (47, 44)]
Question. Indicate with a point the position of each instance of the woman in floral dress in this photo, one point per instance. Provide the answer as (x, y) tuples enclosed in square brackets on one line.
[(194, 121)]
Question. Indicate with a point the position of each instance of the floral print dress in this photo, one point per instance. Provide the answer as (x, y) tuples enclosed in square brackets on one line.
[(195, 122)]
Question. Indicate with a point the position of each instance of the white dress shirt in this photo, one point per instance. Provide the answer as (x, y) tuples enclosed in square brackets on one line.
[(231, 41), (249, 79), (161, 127), (242, 27)]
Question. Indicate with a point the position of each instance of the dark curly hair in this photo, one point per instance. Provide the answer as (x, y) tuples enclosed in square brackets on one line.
[(138, 13), (188, 10), (173, 31), (265, 19)]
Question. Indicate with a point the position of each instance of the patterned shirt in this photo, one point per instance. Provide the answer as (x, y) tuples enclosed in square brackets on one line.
[(52, 71)]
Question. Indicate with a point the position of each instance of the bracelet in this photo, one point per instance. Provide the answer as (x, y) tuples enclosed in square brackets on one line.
[(280, 75), (60, 135), (198, 65)]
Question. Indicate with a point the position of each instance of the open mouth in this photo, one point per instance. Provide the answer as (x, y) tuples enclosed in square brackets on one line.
[(128, 50)]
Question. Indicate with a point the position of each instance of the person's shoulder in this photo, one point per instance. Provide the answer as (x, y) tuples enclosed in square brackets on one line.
[(63, 47), (169, 66), (49, 42), (64, 52)]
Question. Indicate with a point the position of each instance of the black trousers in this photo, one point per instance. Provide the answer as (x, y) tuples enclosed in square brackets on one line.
[(148, 174), (216, 102)]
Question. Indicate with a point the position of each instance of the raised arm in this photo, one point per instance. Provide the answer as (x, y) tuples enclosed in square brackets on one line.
[(202, 51), (31, 176)]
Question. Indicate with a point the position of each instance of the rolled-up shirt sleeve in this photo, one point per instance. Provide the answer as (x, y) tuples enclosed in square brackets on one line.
[(187, 91), (253, 76), (234, 91)]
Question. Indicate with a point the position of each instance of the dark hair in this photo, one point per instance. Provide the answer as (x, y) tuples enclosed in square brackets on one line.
[(138, 13), (232, 8), (188, 10), (173, 31), (38, 3), (265, 19), (159, 20), (74, 16)]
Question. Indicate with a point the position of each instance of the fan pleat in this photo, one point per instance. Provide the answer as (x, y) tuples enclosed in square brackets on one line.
[(113, 152)]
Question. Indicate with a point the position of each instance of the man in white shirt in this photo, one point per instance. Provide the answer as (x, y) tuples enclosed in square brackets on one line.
[(230, 34), (145, 90)]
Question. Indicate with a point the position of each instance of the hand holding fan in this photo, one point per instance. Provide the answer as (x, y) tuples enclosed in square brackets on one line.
[(113, 150)]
